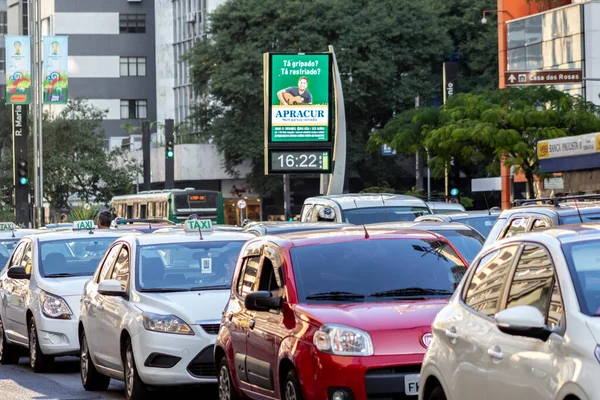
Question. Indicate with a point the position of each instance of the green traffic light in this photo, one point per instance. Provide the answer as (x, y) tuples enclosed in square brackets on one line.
[(23, 180), (454, 192), (170, 154)]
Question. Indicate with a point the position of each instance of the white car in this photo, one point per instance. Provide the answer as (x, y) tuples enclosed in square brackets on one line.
[(9, 237), (40, 290), (523, 324), (152, 311)]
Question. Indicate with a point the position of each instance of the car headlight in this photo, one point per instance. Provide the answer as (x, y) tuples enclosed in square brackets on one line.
[(166, 324), (54, 306), (343, 341), (597, 353)]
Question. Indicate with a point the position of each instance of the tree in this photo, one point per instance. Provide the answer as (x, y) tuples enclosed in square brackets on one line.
[(483, 128), (75, 162), (385, 50)]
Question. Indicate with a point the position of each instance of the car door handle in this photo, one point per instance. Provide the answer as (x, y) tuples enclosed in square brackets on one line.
[(251, 324), (451, 333), (495, 353)]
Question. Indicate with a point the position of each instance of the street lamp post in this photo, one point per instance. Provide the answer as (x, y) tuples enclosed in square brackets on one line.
[(35, 31)]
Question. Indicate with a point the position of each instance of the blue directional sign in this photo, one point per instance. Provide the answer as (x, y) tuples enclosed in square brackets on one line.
[(387, 150)]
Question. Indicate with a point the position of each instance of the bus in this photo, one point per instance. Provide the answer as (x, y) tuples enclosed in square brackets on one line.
[(173, 204)]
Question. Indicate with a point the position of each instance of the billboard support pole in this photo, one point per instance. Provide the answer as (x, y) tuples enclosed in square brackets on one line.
[(336, 181), (40, 100)]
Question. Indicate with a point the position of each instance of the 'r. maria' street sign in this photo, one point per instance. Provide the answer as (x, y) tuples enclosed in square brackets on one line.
[(547, 77)]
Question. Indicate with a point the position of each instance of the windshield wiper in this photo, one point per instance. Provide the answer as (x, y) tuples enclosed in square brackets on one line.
[(334, 296), (64, 275), (214, 287), (411, 291), (164, 290)]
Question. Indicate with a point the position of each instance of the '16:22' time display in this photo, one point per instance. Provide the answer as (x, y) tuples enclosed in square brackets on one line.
[(317, 161)]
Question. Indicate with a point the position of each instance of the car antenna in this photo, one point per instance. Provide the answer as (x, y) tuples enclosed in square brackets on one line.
[(576, 206), (200, 231), (487, 205), (361, 219), (385, 208)]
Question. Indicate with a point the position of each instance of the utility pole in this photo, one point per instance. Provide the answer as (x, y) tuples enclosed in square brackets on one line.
[(169, 154), (146, 153)]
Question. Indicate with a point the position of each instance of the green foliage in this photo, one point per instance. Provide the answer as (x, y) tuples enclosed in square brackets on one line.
[(80, 213), (75, 162), (378, 189), (420, 193), (466, 202), (480, 129), (7, 214)]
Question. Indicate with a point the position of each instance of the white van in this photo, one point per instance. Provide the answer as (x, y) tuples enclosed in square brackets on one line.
[(363, 208)]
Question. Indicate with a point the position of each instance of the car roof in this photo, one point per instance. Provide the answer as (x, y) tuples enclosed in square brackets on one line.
[(574, 232), (422, 225), (280, 227), (79, 234), (566, 208), (298, 239), (186, 237), (364, 200)]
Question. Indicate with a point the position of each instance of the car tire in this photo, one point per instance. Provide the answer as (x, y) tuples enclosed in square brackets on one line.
[(437, 394), (38, 361), (135, 389), (9, 353), (291, 387), (91, 379), (225, 382)]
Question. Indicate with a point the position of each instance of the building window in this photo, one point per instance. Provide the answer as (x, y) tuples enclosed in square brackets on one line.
[(3, 23), (25, 9), (2, 59), (133, 66), (132, 23), (133, 109)]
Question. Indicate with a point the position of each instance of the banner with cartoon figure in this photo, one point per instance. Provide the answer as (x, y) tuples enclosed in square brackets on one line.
[(56, 69), (18, 70)]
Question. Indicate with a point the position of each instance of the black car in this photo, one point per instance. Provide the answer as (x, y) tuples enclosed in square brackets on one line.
[(281, 227)]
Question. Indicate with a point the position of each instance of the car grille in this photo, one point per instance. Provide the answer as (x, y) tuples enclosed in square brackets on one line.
[(203, 366), (388, 383), (211, 329)]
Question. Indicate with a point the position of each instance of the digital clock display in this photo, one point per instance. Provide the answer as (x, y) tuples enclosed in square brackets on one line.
[(301, 161)]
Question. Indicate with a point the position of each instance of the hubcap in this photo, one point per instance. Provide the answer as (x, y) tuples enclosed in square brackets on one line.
[(290, 391), (84, 359), (129, 372), (32, 345), (224, 388)]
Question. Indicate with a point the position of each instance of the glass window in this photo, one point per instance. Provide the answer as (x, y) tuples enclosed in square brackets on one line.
[(534, 56), (574, 219), (383, 214), (540, 224), (17, 255), (482, 225), (109, 262), (485, 288), (556, 314), (517, 226), (372, 270), (141, 107), (517, 59), (516, 34), (467, 242), (133, 66), (27, 257), (187, 266), (533, 30), (124, 109), (134, 109), (533, 279), (132, 23), (72, 257), (247, 282), (583, 258), (121, 270)]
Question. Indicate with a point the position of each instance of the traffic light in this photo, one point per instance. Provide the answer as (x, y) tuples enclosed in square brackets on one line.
[(7, 196), (22, 172), (170, 148)]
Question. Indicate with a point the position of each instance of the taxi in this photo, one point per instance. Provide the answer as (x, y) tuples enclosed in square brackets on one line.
[(151, 313), (9, 237), (40, 290)]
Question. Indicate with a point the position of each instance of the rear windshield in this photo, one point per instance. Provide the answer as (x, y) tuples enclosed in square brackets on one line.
[(467, 242), (72, 257), (359, 216), (376, 269)]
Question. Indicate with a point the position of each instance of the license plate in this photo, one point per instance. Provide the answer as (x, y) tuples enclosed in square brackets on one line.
[(411, 385)]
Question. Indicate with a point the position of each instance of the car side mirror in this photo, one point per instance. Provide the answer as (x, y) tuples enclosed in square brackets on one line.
[(262, 301), (111, 287), (18, 272), (326, 214), (524, 321)]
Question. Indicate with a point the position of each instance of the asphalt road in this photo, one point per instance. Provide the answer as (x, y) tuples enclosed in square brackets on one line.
[(19, 382)]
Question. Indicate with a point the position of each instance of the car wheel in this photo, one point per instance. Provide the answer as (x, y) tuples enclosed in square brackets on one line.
[(437, 394), (9, 353), (91, 379), (291, 387), (37, 360), (226, 389), (134, 387)]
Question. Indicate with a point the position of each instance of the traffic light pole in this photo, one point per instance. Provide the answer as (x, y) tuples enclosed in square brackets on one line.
[(20, 166), (169, 154)]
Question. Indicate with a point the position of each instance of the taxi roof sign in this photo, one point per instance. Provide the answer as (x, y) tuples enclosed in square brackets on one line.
[(195, 225), (83, 225), (7, 226)]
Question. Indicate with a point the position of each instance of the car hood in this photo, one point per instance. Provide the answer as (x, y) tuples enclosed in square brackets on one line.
[(195, 308), (68, 286), (396, 327)]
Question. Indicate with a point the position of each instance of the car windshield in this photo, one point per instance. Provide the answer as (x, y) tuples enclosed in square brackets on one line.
[(583, 259), (376, 269), (186, 266), (359, 216), (482, 224), (72, 257), (575, 219), (468, 243)]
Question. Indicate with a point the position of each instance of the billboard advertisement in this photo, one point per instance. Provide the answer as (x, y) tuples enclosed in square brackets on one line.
[(56, 69), (18, 70)]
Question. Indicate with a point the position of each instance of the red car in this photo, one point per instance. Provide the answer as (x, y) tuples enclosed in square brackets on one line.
[(333, 315)]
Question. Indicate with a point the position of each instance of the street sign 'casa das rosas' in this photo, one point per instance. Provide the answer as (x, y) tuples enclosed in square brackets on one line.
[(547, 77)]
